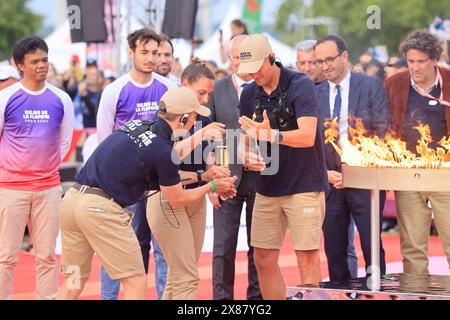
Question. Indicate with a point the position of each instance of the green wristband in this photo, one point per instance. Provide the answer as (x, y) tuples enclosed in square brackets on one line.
[(214, 186)]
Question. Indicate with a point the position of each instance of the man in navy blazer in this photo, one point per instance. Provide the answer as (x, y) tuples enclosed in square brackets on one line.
[(347, 96)]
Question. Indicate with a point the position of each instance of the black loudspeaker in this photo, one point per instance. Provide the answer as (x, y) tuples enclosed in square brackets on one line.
[(179, 18), (87, 20)]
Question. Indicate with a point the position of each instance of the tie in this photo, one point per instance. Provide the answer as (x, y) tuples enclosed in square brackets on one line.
[(337, 104), (337, 114)]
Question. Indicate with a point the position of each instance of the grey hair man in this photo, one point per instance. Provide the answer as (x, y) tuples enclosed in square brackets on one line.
[(306, 61)]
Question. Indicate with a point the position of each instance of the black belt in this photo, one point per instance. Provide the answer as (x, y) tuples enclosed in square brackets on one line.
[(95, 191)]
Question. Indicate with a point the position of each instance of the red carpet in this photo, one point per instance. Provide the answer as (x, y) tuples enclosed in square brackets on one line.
[(25, 276)]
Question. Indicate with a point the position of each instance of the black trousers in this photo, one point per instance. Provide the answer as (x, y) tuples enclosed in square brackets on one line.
[(340, 205), (226, 228)]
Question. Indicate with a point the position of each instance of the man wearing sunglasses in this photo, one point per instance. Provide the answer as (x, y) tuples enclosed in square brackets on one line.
[(347, 96)]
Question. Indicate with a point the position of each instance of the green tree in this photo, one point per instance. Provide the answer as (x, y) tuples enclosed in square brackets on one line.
[(398, 18), (17, 21)]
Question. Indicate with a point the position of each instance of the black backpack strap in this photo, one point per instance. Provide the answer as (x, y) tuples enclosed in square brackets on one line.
[(259, 109), (134, 130)]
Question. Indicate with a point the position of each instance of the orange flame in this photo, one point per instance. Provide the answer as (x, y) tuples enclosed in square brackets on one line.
[(361, 150)]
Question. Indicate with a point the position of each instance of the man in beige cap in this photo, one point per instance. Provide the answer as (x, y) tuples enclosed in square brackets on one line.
[(8, 76), (140, 156), (280, 111)]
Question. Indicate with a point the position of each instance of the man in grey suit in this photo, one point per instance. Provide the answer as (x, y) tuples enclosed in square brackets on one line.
[(224, 103), (347, 96)]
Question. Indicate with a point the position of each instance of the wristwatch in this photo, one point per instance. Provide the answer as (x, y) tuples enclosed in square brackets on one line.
[(199, 176), (278, 137)]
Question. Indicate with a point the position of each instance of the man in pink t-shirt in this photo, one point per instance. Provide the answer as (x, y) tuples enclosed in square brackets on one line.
[(36, 125)]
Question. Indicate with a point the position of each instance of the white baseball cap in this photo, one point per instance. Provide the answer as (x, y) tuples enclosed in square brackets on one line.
[(252, 52), (7, 71), (182, 100)]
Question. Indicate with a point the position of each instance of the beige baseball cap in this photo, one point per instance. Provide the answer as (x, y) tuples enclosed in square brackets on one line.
[(252, 52), (181, 100)]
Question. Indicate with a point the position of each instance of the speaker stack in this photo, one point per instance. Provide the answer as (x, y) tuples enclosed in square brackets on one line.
[(87, 21)]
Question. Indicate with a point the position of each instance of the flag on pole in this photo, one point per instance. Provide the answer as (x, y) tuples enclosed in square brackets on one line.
[(252, 15)]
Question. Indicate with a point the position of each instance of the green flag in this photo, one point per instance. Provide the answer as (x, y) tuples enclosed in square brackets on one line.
[(252, 15)]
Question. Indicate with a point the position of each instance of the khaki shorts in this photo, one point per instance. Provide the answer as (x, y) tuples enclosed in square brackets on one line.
[(90, 223), (303, 213)]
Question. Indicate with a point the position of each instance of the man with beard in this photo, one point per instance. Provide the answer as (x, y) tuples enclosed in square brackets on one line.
[(165, 59)]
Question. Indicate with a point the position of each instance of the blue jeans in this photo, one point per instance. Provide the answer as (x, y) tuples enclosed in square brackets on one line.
[(352, 258), (110, 288)]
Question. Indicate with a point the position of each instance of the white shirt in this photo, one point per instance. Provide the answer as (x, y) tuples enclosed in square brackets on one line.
[(345, 91), (171, 77), (237, 81), (436, 82), (175, 79)]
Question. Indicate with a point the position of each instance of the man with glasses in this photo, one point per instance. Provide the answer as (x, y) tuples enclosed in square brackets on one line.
[(347, 96), (306, 61), (420, 95)]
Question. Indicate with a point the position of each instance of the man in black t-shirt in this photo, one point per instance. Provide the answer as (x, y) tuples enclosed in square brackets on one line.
[(285, 107), (136, 158)]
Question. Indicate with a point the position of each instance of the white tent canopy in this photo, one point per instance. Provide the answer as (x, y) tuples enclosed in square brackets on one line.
[(61, 48)]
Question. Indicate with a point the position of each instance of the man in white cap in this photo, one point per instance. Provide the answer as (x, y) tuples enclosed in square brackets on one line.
[(8, 76), (280, 111), (139, 156)]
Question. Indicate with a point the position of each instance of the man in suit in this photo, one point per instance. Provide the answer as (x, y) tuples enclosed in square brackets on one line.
[(224, 103), (347, 96), (306, 63)]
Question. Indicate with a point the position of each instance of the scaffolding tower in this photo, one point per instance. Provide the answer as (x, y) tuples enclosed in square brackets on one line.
[(132, 15)]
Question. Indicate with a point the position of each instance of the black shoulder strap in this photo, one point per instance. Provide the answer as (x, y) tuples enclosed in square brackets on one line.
[(133, 130)]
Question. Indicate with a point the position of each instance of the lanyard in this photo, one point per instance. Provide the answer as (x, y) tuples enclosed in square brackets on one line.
[(423, 93)]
